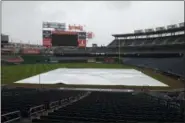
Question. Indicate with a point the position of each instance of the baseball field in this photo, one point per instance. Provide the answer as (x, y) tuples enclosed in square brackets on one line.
[(11, 74)]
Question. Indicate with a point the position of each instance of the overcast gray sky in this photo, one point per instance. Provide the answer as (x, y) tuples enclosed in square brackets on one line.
[(23, 20)]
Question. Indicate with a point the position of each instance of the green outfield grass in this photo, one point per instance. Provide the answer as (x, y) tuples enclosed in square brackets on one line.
[(10, 74)]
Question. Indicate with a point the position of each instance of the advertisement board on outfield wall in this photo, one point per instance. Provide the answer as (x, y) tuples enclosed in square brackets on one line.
[(30, 51), (91, 60), (109, 60)]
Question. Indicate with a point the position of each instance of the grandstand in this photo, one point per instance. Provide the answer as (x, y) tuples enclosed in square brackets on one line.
[(154, 48), (75, 106), (171, 35)]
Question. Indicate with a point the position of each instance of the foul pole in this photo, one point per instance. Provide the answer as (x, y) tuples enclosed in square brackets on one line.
[(119, 51)]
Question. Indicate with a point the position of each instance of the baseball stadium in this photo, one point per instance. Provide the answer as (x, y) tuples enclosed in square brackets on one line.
[(138, 77)]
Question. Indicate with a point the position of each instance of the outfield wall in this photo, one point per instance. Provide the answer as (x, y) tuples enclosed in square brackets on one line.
[(42, 59)]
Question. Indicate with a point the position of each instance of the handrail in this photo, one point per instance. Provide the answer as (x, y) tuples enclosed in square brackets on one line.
[(68, 102), (54, 104), (63, 101), (11, 113), (39, 108), (35, 107)]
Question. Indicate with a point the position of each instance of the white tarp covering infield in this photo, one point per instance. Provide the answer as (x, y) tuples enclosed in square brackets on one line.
[(127, 77)]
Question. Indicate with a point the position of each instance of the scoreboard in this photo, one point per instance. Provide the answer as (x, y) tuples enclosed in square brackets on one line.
[(57, 34), (64, 38)]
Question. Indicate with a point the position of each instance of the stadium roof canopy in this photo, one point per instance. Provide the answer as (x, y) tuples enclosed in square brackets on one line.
[(150, 33)]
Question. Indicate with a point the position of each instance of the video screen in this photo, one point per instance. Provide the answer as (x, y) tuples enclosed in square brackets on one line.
[(64, 40)]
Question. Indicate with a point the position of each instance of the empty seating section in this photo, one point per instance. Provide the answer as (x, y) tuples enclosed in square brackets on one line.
[(170, 65), (170, 40), (138, 42), (101, 107), (114, 107), (180, 40), (149, 41), (159, 41), (114, 43), (100, 50), (128, 42), (23, 98), (165, 40)]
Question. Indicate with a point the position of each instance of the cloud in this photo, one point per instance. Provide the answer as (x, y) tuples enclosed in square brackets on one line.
[(23, 20)]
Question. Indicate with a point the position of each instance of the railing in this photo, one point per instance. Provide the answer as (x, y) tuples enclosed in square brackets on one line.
[(71, 100), (54, 104), (63, 102), (36, 110), (10, 117)]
